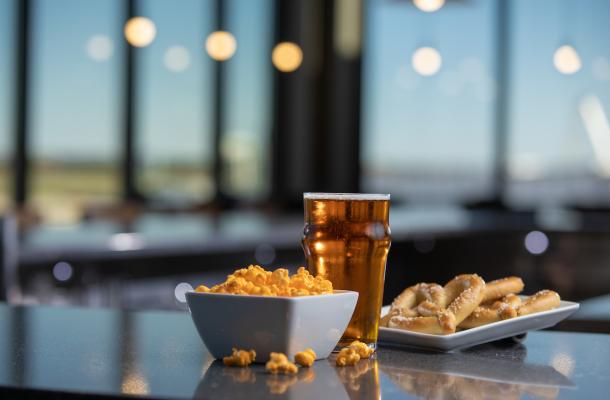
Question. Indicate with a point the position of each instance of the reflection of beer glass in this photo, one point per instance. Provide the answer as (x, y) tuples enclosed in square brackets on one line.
[(361, 380), (346, 240)]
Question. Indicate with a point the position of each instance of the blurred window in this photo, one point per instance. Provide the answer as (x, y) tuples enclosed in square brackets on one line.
[(560, 103), (246, 145), (75, 105), (428, 107), (7, 90), (175, 103)]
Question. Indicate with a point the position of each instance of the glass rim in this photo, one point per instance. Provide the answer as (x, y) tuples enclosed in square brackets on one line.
[(345, 196)]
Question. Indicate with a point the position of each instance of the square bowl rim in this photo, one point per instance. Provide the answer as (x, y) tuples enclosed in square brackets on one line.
[(335, 293)]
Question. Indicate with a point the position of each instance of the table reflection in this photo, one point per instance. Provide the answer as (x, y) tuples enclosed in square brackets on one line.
[(489, 372), (322, 380)]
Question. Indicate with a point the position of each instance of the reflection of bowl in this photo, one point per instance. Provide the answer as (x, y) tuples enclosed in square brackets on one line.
[(266, 324)]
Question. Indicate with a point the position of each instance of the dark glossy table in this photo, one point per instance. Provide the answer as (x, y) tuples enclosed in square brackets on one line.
[(54, 352)]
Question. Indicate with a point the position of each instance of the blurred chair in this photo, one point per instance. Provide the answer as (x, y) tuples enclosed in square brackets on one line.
[(9, 287)]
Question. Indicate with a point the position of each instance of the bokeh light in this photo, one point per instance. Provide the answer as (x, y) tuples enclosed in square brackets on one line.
[(177, 58), (287, 56), (99, 48), (221, 45), (536, 242), (264, 254), (63, 271), (140, 31), (426, 61), (429, 5), (566, 60), (180, 291)]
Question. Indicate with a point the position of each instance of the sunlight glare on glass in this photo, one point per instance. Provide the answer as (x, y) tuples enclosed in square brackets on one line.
[(287, 56), (177, 58), (99, 48), (221, 45), (426, 61), (429, 5), (566, 60), (140, 31), (597, 127)]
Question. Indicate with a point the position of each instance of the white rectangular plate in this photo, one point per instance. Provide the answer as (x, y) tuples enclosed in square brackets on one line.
[(482, 334)]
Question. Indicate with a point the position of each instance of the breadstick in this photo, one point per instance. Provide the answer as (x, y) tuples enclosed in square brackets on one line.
[(417, 324), (511, 306), (406, 299), (486, 314), (501, 287), (511, 300), (542, 301)]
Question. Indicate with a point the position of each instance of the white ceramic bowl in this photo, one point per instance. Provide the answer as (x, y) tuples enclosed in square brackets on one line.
[(265, 324)]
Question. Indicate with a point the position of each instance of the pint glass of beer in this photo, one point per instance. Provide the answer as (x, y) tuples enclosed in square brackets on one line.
[(346, 239)]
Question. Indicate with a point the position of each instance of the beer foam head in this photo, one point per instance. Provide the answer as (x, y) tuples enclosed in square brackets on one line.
[(346, 196)]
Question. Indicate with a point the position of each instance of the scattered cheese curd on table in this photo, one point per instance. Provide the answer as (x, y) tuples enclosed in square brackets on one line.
[(278, 363), (305, 358), (255, 280), (353, 353), (239, 358), (347, 356), (362, 349)]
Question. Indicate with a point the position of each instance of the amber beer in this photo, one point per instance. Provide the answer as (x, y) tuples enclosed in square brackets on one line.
[(346, 239)]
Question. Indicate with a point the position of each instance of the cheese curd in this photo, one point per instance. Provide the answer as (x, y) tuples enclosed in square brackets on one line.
[(278, 363), (239, 358), (305, 358), (347, 356), (362, 349), (255, 280)]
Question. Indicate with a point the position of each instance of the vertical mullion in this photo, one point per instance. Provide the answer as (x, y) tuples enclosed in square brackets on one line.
[(130, 192), (219, 111), (21, 161), (500, 150), (278, 174)]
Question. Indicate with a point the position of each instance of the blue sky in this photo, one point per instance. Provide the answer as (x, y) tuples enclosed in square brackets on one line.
[(544, 119), (76, 101), (430, 123), (409, 121)]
